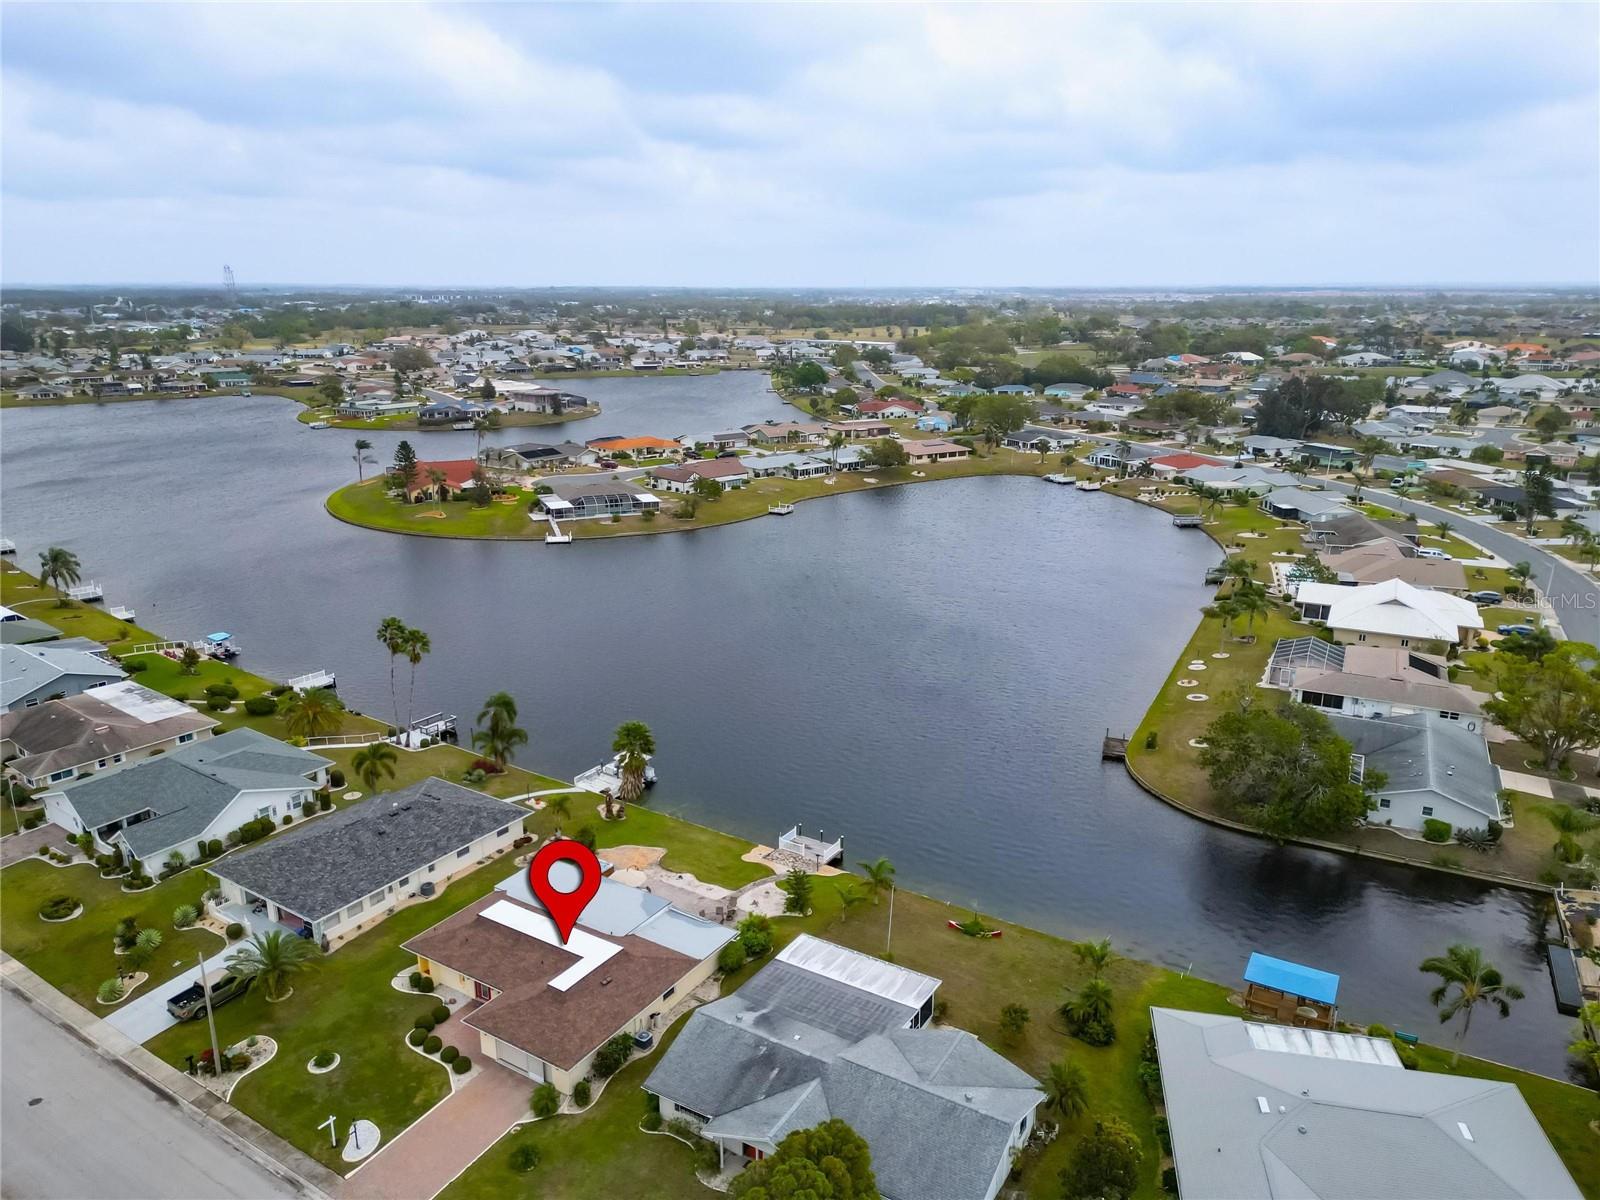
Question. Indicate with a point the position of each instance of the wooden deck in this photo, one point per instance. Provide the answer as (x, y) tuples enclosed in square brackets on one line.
[(1114, 749)]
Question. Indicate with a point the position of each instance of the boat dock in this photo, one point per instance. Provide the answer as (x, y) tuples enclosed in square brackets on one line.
[(122, 612), (86, 591), (313, 680), (441, 727), (813, 849), (7, 546), (779, 510), (1189, 521), (1113, 749), (555, 537)]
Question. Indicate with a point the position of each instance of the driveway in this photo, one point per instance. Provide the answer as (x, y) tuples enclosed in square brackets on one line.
[(26, 843), (146, 1014), (421, 1161)]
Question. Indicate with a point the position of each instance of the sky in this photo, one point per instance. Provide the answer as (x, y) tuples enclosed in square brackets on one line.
[(811, 145)]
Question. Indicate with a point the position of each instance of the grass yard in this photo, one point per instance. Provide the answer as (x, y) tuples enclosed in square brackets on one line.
[(704, 853), (447, 762), (368, 504), (76, 956)]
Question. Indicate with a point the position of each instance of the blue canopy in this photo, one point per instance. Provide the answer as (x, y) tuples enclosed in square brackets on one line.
[(1292, 978), (218, 638)]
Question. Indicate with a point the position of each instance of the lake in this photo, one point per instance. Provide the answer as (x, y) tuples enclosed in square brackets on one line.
[(925, 670)]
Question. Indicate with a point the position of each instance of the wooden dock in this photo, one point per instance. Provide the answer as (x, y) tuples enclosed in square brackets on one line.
[(1114, 749)]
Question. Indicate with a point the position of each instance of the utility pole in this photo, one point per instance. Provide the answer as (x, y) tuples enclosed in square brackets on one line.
[(889, 937), (211, 1019)]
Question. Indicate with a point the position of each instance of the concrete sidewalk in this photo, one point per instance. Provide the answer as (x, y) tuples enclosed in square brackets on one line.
[(219, 1117)]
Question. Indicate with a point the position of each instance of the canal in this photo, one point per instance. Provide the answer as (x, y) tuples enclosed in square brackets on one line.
[(925, 670)]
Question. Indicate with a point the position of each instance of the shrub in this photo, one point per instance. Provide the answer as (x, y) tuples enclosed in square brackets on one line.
[(417, 1036), (111, 990), (441, 1014), (524, 1158), (1150, 740), (184, 916), (222, 689), (287, 819), (235, 931), (1378, 1031), (33, 820), (282, 689), (426, 986), (415, 979), (1435, 830), (486, 766), (581, 1093), (1169, 1180), (424, 1022), (461, 1065), (546, 1101), (586, 837), (652, 1121), (611, 1057), (732, 957), (261, 706), (449, 1054), (324, 801), (213, 847), (148, 939), (1105, 1162), (217, 703), (309, 808), (432, 1044), (58, 907), (473, 776), (236, 1062), (335, 777)]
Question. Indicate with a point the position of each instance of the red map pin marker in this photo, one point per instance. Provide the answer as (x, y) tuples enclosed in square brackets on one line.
[(564, 907)]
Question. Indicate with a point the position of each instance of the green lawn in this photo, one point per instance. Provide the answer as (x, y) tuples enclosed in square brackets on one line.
[(446, 762), (369, 504), (704, 853), (76, 956)]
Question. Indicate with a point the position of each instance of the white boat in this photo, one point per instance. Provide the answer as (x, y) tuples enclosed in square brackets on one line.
[(221, 645), (780, 510), (1087, 485), (320, 425), (607, 777)]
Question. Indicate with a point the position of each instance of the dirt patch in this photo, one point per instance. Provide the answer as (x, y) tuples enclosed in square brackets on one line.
[(633, 858)]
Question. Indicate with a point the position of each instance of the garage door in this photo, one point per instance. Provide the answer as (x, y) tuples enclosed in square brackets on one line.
[(519, 1061)]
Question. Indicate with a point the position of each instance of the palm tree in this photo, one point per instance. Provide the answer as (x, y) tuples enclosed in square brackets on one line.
[(634, 744), (1358, 478), (1570, 824), (437, 479), (362, 446), (1474, 982), (312, 713), (835, 444), (1251, 602), (59, 568), (372, 762), (1092, 1004), (1226, 610), (1521, 573), (562, 807), (1441, 529), (1066, 1089), (416, 645), (1240, 569), (1096, 956), (880, 877), (498, 736), (851, 896), (272, 958), (392, 633)]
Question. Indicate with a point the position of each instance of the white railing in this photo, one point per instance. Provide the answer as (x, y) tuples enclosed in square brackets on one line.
[(312, 680), (85, 591), (822, 853), (155, 648), (339, 741)]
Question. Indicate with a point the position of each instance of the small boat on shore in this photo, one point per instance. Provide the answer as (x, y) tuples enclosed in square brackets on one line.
[(780, 510), (221, 645)]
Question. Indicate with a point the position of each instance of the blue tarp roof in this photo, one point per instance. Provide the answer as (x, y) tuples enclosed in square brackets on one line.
[(1292, 978)]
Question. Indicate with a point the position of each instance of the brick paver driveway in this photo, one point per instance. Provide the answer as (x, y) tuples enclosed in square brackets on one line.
[(418, 1164)]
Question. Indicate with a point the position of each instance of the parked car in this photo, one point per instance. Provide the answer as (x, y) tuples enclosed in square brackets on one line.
[(1432, 552), (1485, 597), (190, 1004), (1521, 630), (608, 464)]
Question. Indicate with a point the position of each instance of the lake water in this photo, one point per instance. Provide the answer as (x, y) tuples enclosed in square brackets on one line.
[(925, 670)]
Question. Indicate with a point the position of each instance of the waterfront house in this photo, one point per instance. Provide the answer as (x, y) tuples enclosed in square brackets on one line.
[(1434, 768), (1392, 613), (100, 728), (1176, 466), (33, 674), (542, 1005), (580, 497), (890, 409), (539, 456), (788, 466), (1347, 529), (857, 430), (175, 803), (822, 1032), (1297, 504), (1371, 681), (773, 433), (730, 439), (1257, 1111), (457, 474), (373, 405), (729, 472), (635, 447), (1039, 440), (448, 412), (1388, 558), (935, 450), (345, 872), (1257, 481)]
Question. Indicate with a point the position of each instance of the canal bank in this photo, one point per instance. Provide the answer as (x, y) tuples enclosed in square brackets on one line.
[(928, 671)]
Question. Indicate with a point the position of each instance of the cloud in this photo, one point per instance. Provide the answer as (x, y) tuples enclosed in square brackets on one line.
[(789, 145)]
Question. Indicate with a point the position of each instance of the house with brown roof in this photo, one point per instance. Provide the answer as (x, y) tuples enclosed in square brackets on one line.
[(777, 433), (542, 1006), (457, 477), (95, 730), (636, 447), (729, 472), (935, 450), (855, 430), (1384, 558)]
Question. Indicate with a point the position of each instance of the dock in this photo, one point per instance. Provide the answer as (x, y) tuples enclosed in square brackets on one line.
[(555, 537), (7, 546), (122, 612), (313, 680), (86, 591), (779, 510), (1189, 521), (440, 727), (1114, 749), (813, 849)]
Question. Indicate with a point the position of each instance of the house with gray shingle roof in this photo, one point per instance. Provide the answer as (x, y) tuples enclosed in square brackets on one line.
[(174, 803), (341, 874), (1263, 1112), (824, 1032), (32, 674)]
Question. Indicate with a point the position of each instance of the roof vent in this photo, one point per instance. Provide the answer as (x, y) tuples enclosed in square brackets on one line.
[(1261, 1103), (1465, 1132), (1301, 1128)]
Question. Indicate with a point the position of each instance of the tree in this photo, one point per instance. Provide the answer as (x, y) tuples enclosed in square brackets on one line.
[(392, 634), (1538, 495), (1552, 703), (829, 1161), (562, 807), (805, 376), (707, 489), (498, 736), (1251, 601), (1283, 766), (1003, 413), (416, 645), (1014, 1022), (409, 359), (362, 446), (797, 892), (1096, 956), (273, 958), (405, 466), (886, 453), (59, 567), (372, 762), (1299, 406), (437, 480), (1466, 982), (330, 391), (1105, 1164), (880, 877), (1088, 1013), (633, 744), (1066, 1089), (312, 713), (1570, 824), (189, 660)]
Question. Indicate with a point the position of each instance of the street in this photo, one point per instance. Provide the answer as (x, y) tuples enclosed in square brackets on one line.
[(74, 1126)]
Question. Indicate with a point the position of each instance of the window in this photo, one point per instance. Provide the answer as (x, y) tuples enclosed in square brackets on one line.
[(691, 1114), (1361, 637), (355, 909), (404, 879), (1405, 641), (666, 995), (57, 776), (185, 737), (1358, 768), (1383, 802), (264, 812), (464, 851), (375, 898), (1427, 810), (502, 832), (102, 764), (1450, 716)]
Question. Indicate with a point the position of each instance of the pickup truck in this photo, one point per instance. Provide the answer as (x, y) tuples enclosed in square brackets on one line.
[(190, 1003)]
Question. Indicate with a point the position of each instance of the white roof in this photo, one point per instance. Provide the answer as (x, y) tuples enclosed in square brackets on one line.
[(858, 970), (591, 951), (1393, 607), (139, 702)]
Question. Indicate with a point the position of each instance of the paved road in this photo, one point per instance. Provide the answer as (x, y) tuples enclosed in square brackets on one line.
[(74, 1126)]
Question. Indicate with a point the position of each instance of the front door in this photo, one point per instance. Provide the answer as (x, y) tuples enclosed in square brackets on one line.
[(482, 990)]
